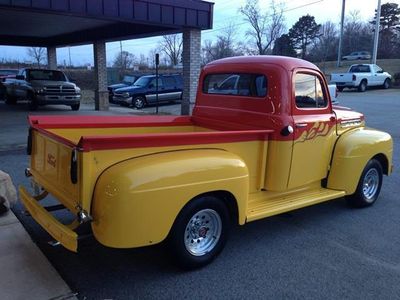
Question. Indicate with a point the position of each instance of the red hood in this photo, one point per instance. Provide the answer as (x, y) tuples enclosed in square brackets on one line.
[(346, 114)]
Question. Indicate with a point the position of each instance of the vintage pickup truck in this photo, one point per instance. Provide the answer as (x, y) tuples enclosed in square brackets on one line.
[(272, 145)]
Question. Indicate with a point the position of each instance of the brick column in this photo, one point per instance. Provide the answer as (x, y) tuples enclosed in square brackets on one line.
[(100, 76), (191, 67), (52, 58)]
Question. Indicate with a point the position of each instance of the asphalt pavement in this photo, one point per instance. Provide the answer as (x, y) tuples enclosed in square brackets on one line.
[(327, 251)]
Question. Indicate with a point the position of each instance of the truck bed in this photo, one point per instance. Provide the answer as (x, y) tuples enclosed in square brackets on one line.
[(68, 154)]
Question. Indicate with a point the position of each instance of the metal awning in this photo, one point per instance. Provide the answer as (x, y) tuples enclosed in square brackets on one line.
[(74, 22)]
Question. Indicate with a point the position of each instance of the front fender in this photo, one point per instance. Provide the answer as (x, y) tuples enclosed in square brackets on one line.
[(136, 201), (352, 152)]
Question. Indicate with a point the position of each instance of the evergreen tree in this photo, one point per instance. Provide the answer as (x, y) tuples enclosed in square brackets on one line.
[(303, 33), (284, 46), (389, 30)]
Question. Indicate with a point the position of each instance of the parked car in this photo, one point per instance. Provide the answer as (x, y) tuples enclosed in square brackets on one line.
[(41, 87), (7, 73), (277, 147), (143, 91), (357, 55), (4, 74), (128, 80), (362, 76)]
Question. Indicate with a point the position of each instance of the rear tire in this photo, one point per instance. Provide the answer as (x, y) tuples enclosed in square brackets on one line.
[(10, 100), (368, 187), (199, 233), (363, 86), (340, 89)]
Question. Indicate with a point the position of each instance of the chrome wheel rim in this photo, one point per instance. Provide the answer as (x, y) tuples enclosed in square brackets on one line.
[(370, 184), (203, 232), (138, 103)]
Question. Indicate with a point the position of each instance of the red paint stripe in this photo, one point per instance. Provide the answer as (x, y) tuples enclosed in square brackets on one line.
[(90, 143), (67, 122), (55, 137)]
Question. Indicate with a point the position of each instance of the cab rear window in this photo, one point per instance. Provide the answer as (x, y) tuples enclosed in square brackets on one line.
[(250, 85)]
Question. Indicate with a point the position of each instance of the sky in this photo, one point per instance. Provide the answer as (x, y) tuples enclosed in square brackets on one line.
[(225, 13)]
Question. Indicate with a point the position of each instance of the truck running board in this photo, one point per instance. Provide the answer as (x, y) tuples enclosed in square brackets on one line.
[(48, 208), (262, 207)]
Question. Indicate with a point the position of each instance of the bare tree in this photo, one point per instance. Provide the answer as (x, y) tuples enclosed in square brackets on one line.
[(224, 46), (325, 47), (264, 28), (37, 54), (171, 45), (357, 35), (124, 60)]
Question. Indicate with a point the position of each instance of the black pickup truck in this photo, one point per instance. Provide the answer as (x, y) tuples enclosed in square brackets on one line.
[(41, 87), (143, 92)]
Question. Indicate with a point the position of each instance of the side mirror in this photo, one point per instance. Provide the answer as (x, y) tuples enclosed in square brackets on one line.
[(20, 77), (151, 86), (381, 71), (215, 86), (72, 80)]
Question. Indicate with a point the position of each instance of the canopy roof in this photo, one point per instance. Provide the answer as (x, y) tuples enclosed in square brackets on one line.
[(74, 22)]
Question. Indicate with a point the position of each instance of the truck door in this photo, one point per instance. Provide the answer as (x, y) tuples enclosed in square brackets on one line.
[(315, 129), (377, 75)]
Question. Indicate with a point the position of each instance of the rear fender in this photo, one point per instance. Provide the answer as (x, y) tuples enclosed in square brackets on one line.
[(136, 201), (352, 152)]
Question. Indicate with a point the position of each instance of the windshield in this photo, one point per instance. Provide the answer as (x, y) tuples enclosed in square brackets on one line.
[(142, 82), (129, 79), (360, 69), (47, 75), (8, 72)]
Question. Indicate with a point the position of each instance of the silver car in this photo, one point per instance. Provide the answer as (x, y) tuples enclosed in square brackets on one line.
[(357, 55)]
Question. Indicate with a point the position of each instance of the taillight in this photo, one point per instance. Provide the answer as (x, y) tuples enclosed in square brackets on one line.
[(354, 77)]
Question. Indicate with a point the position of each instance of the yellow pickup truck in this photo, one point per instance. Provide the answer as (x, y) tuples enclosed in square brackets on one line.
[(263, 139)]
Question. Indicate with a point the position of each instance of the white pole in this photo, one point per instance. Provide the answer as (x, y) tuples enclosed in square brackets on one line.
[(341, 35), (376, 36)]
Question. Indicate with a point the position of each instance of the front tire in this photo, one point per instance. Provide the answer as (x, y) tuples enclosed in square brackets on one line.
[(139, 102), (386, 84), (200, 232), (75, 107), (363, 86), (32, 103), (369, 185)]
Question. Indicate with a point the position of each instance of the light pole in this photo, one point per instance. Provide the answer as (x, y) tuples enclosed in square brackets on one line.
[(341, 35), (376, 35)]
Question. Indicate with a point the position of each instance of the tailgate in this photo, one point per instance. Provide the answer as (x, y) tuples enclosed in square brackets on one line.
[(342, 77), (52, 167)]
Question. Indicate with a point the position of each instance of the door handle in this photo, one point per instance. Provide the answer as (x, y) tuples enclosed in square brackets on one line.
[(301, 125)]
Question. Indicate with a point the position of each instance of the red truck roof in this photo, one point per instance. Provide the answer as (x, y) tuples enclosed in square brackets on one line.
[(288, 63)]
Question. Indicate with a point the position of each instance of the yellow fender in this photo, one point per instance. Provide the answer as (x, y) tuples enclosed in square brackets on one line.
[(136, 201), (352, 152)]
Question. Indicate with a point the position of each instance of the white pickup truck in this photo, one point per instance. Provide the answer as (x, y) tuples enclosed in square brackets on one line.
[(361, 76)]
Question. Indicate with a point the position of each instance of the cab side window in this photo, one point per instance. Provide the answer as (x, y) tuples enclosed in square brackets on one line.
[(152, 84), (309, 92), (248, 85), (169, 82)]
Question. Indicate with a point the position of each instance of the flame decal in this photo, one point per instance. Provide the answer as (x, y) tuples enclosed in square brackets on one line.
[(318, 129)]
